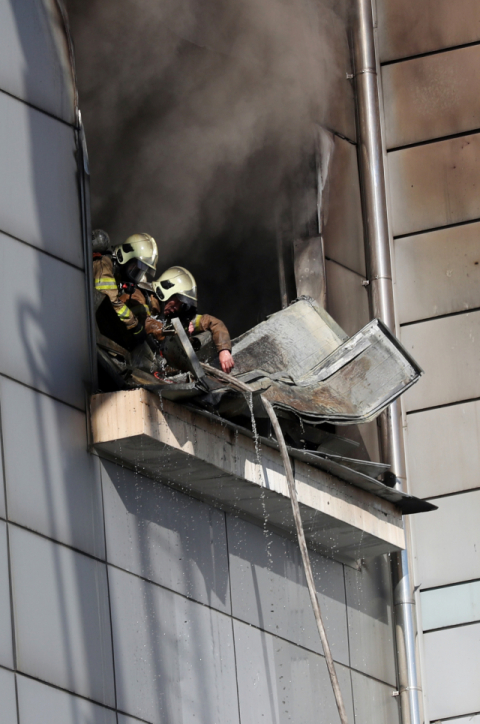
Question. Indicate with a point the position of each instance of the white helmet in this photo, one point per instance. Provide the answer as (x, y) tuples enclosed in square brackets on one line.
[(177, 281), (138, 255)]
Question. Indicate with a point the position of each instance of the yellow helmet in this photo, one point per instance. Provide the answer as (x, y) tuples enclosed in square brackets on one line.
[(138, 254), (176, 281)]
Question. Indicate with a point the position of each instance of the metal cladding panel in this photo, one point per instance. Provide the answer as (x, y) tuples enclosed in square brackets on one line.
[(452, 663), (475, 719), (369, 613), (374, 703), (435, 184), (34, 59), (447, 541), (46, 326), (39, 704), (409, 27), (55, 488), (39, 194), (342, 223), (269, 589), (62, 622), (174, 658), (451, 606), (3, 513), (8, 697), (448, 350), (431, 97), (443, 450), (438, 273), (347, 298), (279, 682), (166, 537), (6, 650)]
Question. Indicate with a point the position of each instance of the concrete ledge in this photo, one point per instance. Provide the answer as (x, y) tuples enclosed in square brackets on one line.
[(198, 456)]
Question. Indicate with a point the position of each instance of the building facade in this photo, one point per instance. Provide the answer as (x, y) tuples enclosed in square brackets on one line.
[(122, 600)]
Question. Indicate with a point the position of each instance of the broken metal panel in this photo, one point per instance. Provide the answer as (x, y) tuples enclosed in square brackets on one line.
[(431, 97), (435, 184), (204, 458), (354, 384), (300, 363), (347, 298), (288, 342), (438, 273), (410, 27), (34, 57), (342, 226)]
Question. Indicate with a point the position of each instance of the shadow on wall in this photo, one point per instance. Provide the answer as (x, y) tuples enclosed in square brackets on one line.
[(50, 341)]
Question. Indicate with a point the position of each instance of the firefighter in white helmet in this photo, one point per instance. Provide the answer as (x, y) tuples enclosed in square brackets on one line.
[(116, 273), (176, 289)]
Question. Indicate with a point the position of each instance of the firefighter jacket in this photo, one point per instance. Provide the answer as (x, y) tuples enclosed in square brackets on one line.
[(106, 283), (220, 335)]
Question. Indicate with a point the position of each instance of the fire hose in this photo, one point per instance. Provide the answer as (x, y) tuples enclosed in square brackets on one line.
[(300, 534)]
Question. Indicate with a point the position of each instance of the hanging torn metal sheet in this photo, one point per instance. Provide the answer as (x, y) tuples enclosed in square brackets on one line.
[(300, 360)]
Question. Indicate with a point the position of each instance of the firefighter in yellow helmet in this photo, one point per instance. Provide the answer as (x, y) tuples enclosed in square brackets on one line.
[(177, 291), (126, 265)]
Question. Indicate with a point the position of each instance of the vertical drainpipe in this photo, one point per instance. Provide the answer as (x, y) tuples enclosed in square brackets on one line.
[(379, 269)]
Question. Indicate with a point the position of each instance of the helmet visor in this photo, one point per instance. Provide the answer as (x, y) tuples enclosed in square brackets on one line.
[(135, 270)]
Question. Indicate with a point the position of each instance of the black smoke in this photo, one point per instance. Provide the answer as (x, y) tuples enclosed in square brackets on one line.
[(199, 117)]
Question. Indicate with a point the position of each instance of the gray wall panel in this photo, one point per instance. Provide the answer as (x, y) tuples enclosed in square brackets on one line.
[(34, 62), (55, 488), (6, 651), (410, 27), (435, 184), (450, 606), (38, 187), (165, 536), (269, 588), (343, 224), (174, 658), (475, 719), (124, 719), (3, 512), (431, 97), (42, 704), (8, 697), (437, 273), (452, 663), (447, 541), (448, 350), (280, 683), (443, 450), (347, 299), (62, 619), (369, 616), (374, 703), (46, 325)]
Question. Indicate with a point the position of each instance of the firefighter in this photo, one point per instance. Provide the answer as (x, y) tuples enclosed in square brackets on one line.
[(177, 291), (117, 273)]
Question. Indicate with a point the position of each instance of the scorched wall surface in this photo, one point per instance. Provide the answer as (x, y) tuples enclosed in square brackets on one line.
[(122, 601)]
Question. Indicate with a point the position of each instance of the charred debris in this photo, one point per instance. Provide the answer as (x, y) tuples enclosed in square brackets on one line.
[(309, 370)]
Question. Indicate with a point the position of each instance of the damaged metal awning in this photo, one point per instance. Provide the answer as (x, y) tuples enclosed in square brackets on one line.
[(304, 364)]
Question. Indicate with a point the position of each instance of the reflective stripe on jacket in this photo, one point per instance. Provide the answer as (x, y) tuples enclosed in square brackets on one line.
[(106, 284)]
